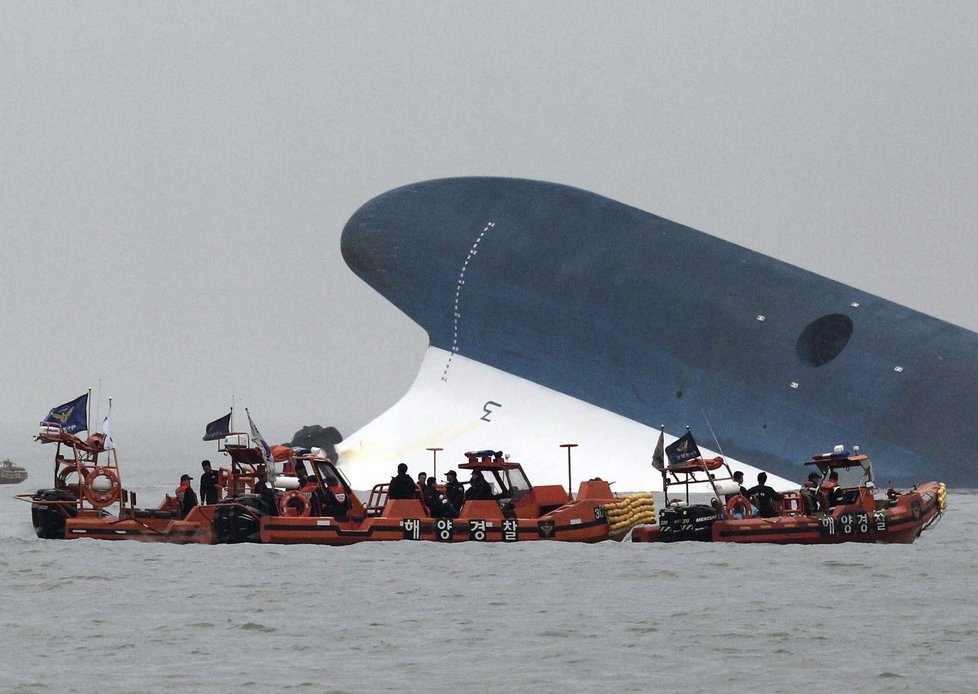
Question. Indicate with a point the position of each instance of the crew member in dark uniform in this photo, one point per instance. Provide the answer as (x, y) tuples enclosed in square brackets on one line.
[(454, 490), (186, 495), (264, 490), (479, 489), (764, 497), (333, 497), (402, 486), (436, 502), (208, 484)]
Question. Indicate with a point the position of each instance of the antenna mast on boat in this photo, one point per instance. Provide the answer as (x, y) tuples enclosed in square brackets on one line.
[(713, 434), (570, 486), (434, 461)]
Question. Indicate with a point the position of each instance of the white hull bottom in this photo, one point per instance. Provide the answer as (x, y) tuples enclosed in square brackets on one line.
[(471, 406)]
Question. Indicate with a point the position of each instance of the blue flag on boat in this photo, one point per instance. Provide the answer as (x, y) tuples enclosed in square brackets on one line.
[(219, 428), (682, 449), (72, 417)]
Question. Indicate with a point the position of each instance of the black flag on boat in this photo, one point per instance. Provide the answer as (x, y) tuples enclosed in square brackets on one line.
[(682, 449), (658, 458), (219, 428)]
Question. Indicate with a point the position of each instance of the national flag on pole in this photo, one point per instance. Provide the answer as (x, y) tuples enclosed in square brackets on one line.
[(107, 443), (219, 428), (266, 450), (72, 417), (682, 449), (658, 458)]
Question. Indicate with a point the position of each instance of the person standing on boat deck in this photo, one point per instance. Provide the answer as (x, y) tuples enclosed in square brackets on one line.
[(809, 491), (208, 484), (265, 492), (186, 495), (738, 477), (422, 481), (454, 490), (764, 497), (402, 486)]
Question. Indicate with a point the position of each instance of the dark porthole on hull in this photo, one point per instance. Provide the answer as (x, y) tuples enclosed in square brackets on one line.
[(824, 339)]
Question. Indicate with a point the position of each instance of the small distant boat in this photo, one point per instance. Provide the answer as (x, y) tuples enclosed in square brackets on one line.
[(11, 474), (854, 510)]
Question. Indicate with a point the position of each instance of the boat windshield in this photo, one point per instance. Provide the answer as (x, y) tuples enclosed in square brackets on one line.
[(327, 473), (854, 476), (518, 484)]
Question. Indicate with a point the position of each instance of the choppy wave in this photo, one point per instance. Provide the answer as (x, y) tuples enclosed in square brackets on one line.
[(85, 615)]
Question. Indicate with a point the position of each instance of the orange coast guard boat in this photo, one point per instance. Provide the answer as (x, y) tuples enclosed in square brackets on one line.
[(852, 511), (89, 500), (517, 511)]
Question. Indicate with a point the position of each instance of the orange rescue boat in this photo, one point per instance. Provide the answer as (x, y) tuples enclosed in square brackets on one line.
[(854, 511), (517, 511)]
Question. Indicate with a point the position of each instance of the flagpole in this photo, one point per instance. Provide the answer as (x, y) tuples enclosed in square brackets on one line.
[(88, 410)]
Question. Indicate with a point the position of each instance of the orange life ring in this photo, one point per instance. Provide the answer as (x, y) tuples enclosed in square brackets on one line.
[(61, 482), (101, 498), (287, 504), (739, 501)]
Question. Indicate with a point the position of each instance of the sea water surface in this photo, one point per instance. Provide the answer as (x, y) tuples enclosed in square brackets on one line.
[(89, 615)]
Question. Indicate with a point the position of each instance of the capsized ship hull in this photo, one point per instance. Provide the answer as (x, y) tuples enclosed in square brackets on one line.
[(601, 303)]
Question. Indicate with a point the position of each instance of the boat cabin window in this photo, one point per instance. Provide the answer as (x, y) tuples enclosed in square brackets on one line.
[(497, 486), (326, 473), (853, 476), (518, 484)]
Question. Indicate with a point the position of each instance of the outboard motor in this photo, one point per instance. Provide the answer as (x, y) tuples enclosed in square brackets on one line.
[(238, 519), (49, 518), (687, 523)]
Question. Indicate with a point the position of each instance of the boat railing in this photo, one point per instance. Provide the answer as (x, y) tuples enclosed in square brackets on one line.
[(377, 499)]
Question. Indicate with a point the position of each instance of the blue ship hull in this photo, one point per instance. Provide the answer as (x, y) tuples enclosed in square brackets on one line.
[(670, 326)]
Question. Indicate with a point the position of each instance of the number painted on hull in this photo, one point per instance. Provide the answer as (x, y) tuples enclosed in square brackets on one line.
[(488, 408)]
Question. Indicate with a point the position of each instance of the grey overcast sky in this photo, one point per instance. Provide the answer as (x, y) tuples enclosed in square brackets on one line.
[(175, 176)]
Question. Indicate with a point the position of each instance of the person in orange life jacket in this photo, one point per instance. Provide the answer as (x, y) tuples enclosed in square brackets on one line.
[(809, 491), (764, 497), (309, 487), (830, 490), (186, 495)]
